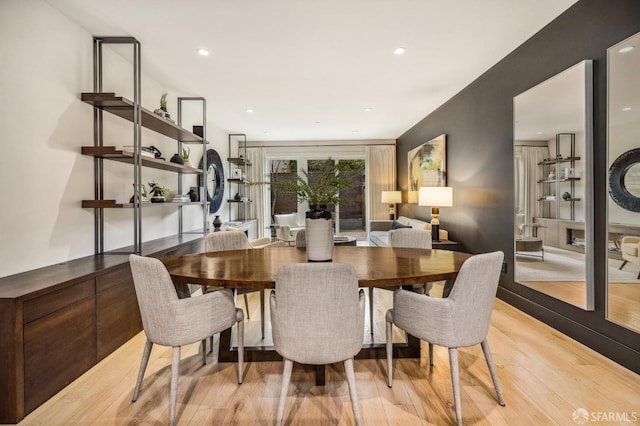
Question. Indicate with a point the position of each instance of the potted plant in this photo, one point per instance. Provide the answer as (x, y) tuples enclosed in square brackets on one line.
[(158, 192), (162, 111), (320, 188)]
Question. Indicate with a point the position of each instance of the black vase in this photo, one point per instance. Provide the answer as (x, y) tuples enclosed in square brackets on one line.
[(217, 223), (177, 159), (193, 195)]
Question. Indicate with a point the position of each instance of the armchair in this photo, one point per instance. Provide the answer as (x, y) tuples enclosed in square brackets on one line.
[(287, 227), (629, 247)]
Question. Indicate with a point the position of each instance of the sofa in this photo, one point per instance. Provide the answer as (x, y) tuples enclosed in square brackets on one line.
[(379, 229), (287, 227)]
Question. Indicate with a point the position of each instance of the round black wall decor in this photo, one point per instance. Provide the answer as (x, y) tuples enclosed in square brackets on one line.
[(215, 180), (618, 190)]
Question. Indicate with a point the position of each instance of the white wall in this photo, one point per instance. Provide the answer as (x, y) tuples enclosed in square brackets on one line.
[(46, 64)]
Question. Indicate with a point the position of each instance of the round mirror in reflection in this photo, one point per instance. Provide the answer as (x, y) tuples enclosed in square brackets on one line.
[(624, 180), (631, 180)]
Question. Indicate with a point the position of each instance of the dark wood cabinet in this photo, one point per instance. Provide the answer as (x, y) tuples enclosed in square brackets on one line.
[(58, 321)]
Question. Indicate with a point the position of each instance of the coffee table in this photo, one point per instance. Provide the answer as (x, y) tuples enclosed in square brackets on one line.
[(528, 245)]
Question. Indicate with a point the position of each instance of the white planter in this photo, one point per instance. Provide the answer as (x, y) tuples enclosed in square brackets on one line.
[(319, 239)]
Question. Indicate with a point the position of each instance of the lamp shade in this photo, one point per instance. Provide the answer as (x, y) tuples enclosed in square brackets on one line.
[(436, 196), (391, 197)]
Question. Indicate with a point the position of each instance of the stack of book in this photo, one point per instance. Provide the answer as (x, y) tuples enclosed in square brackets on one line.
[(128, 149), (177, 198)]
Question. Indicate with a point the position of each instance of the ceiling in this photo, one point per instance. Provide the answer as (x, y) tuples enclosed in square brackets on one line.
[(308, 70)]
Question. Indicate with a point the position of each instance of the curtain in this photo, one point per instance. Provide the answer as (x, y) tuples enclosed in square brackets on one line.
[(529, 192), (258, 193), (380, 176)]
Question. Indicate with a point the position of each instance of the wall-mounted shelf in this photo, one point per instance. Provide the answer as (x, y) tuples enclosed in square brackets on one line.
[(140, 117), (123, 107), (555, 183), (111, 153), (239, 161)]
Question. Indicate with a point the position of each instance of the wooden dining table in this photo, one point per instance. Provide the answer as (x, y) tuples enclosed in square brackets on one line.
[(257, 269)]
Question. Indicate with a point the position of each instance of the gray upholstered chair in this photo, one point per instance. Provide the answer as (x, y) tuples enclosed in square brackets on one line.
[(170, 321), (317, 317), (287, 227), (630, 247), (404, 238), (458, 321), (234, 240), (301, 239)]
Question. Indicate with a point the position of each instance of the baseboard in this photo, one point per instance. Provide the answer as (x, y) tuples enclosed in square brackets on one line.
[(612, 349)]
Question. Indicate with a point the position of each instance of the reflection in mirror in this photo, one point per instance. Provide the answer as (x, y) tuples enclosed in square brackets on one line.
[(631, 180), (552, 171), (623, 288)]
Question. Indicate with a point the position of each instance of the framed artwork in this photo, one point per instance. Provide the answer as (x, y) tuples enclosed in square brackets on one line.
[(427, 166)]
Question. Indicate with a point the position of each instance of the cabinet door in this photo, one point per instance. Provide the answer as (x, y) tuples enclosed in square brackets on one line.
[(117, 312), (58, 348)]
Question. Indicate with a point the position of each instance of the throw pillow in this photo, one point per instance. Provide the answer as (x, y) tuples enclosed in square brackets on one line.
[(398, 225)]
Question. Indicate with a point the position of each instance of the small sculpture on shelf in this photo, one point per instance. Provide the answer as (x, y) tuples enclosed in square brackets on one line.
[(162, 111), (158, 192), (144, 198)]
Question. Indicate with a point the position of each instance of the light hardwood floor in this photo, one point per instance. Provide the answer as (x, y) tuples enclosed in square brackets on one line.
[(545, 377)]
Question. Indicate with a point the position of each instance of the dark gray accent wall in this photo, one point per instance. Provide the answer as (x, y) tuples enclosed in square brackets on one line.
[(478, 123)]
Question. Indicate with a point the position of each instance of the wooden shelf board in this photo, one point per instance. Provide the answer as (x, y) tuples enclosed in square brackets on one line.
[(111, 204), (123, 107), (238, 181), (238, 201), (110, 153), (239, 161)]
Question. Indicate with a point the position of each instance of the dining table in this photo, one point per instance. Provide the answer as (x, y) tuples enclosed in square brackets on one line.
[(389, 267)]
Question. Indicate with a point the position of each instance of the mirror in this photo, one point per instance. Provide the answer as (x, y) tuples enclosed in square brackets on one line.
[(215, 180), (553, 141), (623, 283)]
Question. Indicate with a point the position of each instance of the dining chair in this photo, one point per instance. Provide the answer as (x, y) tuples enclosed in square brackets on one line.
[(458, 321), (301, 239), (234, 240), (404, 238), (317, 317), (170, 321)]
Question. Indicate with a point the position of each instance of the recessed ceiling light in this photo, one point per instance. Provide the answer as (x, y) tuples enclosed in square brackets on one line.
[(399, 50), (627, 109), (367, 109), (626, 49), (249, 110), (317, 122), (539, 133), (202, 51), (354, 131)]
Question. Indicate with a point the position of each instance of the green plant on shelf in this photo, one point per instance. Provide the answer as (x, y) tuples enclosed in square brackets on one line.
[(158, 190), (185, 152)]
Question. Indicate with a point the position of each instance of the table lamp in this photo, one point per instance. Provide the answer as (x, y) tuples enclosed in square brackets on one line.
[(436, 197), (392, 198)]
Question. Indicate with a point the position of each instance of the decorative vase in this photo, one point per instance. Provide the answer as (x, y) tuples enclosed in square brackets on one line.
[(177, 159), (158, 199), (217, 223), (193, 195), (319, 239)]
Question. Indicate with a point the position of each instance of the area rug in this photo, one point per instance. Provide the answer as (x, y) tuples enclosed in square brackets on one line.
[(563, 265)]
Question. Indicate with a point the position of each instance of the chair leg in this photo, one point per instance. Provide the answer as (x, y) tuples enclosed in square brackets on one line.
[(262, 312), (175, 362), (455, 382), (143, 367), (492, 370), (204, 351), (371, 309), (286, 378), (389, 352), (240, 318), (246, 305), (431, 354), (351, 381), (623, 263)]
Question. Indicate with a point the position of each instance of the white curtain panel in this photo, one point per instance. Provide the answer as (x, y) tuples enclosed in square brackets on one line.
[(258, 194), (531, 174), (380, 176)]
